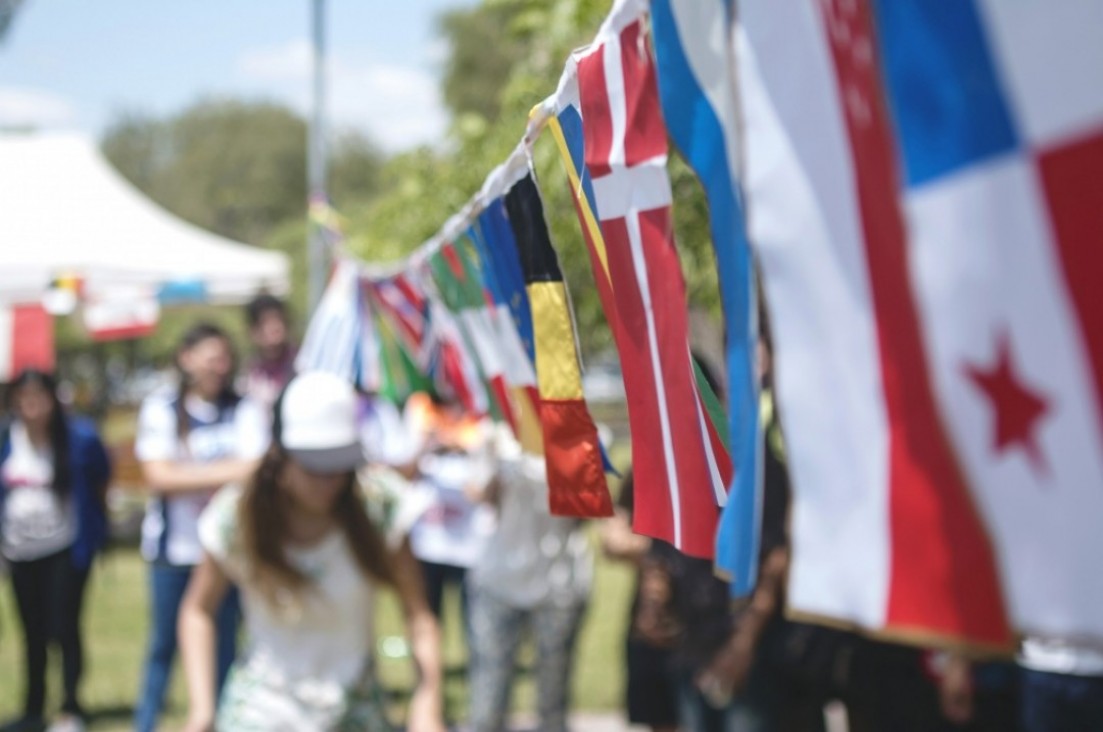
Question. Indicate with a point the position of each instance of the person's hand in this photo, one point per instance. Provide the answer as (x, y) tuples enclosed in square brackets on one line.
[(956, 690), (727, 674)]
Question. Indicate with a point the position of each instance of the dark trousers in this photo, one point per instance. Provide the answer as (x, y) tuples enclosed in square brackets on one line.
[(436, 578), (1061, 702), (167, 584), (49, 593)]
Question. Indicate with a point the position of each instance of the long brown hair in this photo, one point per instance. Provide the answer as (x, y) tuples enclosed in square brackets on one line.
[(263, 515)]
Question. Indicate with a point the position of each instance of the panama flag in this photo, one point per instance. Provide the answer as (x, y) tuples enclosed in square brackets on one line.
[(680, 457), (925, 199), (693, 52)]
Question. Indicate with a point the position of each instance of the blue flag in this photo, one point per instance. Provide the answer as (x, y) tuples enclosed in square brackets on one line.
[(696, 86)]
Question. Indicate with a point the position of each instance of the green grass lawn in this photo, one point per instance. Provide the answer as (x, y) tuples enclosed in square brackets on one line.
[(115, 622)]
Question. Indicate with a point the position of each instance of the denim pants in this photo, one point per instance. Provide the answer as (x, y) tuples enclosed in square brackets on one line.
[(1061, 702), (49, 593), (166, 589), (496, 629)]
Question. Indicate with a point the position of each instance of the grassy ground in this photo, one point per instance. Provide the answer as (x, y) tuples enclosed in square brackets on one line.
[(115, 633)]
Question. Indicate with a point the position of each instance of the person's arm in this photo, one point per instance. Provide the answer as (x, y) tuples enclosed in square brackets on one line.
[(171, 477), (426, 712), (618, 541), (196, 636), (728, 671)]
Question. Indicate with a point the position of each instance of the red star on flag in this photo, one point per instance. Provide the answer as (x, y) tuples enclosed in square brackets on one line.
[(1017, 408)]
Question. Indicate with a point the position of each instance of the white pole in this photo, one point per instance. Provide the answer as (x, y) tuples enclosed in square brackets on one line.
[(316, 159)]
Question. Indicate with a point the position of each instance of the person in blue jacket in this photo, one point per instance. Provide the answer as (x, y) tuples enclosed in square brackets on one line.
[(54, 472)]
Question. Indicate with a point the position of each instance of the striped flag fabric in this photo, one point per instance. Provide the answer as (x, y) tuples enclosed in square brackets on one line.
[(26, 340), (925, 203), (451, 362), (461, 288), (341, 336), (405, 307), (512, 318), (697, 84), (575, 465), (680, 459)]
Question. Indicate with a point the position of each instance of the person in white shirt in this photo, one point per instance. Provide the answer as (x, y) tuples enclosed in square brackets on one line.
[(536, 571), (298, 540), (54, 473), (453, 468), (189, 443)]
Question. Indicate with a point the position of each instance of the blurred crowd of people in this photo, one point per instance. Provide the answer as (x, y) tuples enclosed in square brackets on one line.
[(281, 502)]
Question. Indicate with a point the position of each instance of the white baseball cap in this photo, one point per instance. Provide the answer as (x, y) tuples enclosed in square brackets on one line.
[(318, 425)]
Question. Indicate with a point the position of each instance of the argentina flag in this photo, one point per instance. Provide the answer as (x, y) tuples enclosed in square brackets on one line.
[(694, 52)]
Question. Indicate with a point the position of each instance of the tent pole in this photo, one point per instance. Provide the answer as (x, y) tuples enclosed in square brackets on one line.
[(316, 161)]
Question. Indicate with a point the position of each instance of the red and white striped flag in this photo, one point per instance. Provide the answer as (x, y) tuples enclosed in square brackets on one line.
[(923, 189), (681, 466)]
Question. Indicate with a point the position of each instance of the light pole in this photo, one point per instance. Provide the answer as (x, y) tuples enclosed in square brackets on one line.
[(317, 255)]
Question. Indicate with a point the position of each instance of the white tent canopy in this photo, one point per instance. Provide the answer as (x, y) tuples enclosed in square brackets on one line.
[(64, 211)]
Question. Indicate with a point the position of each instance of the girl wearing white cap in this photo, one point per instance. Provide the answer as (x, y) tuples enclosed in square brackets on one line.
[(298, 542)]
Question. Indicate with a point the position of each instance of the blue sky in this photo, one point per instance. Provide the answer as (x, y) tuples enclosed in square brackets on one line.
[(78, 64)]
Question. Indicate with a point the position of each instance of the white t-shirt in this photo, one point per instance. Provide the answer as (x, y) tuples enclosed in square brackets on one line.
[(1058, 656), (169, 530), (316, 644), (453, 530), (36, 522), (534, 559)]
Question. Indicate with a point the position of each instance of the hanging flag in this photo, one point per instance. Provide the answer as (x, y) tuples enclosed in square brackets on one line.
[(399, 376), (451, 363), (501, 273), (680, 460), (693, 53), (405, 306), (461, 290), (928, 229), (26, 340), (576, 472), (341, 337)]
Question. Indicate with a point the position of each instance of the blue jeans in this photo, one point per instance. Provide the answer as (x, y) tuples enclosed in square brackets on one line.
[(166, 589), (753, 709), (1061, 703)]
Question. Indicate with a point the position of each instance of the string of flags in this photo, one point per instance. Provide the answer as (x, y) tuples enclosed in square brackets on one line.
[(906, 187)]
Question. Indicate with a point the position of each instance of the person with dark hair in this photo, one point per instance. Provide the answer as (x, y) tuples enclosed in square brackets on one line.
[(298, 540), (273, 362), (651, 695), (54, 474), (189, 443), (536, 572)]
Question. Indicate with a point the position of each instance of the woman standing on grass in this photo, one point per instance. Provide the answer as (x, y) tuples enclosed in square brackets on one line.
[(297, 540), (190, 443), (54, 473)]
